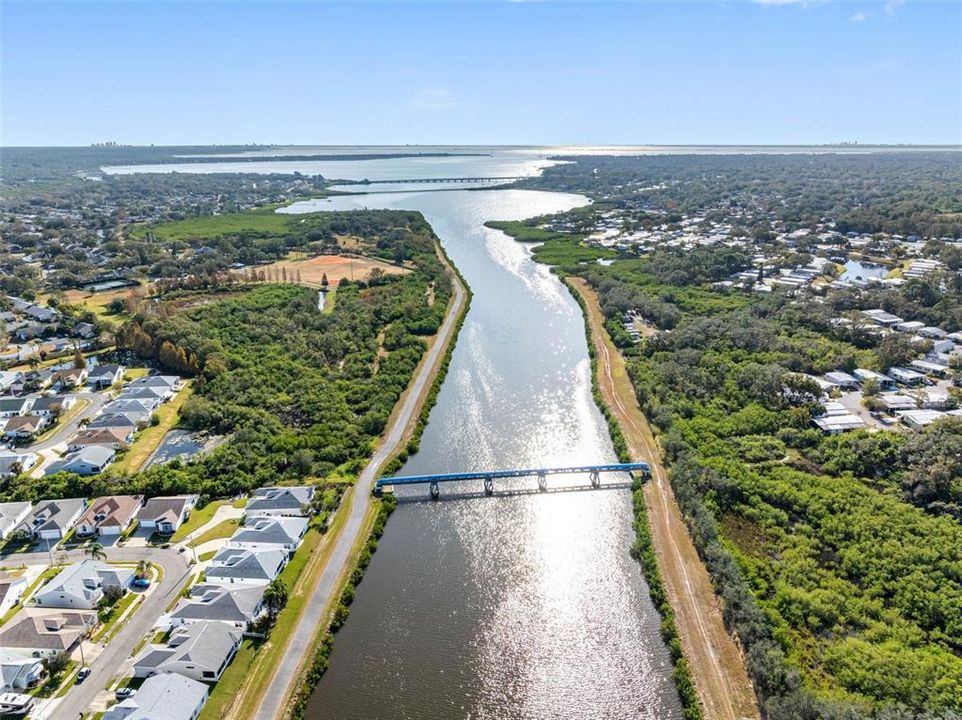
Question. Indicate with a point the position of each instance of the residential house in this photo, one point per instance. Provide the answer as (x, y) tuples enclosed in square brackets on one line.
[(81, 585), (290, 501), (200, 651), (15, 407), (250, 567), (8, 378), (269, 533), (906, 376), (18, 672), (51, 519), (842, 379), (70, 378), (42, 633), (90, 460), (166, 514), (113, 420), (168, 696), (113, 438), (884, 381), (930, 368), (12, 588), (15, 463), (52, 406), (12, 514), (236, 605), (104, 376), (24, 427), (918, 419), (110, 515)]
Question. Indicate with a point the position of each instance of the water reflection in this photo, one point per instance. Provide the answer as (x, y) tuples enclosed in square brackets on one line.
[(524, 605)]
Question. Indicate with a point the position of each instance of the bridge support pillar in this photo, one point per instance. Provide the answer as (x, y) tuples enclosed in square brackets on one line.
[(489, 486), (595, 479), (435, 491), (542, 482)]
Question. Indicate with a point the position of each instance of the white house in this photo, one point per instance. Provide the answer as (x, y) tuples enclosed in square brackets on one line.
[(81, 585), (289, 501), (236, 605), (51, 519), (166, 514), (248, 567), (18, 672), (12, 588), (200, 651), (90, 460), (269, 533), (167, 696), (12, 514)]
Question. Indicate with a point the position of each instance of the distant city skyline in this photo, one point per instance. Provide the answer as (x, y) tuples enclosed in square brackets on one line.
[(487, 73)]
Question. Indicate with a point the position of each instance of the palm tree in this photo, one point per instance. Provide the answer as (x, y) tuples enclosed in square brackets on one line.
[(142, 568), (275, 598), (95, 551)]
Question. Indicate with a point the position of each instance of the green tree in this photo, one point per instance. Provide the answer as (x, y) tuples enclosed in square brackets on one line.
[(95, 551)]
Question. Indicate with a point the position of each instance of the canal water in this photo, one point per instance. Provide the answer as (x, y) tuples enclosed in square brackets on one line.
[(525, 605)]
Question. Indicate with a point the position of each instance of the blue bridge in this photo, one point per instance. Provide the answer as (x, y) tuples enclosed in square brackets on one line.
[(489, 476)]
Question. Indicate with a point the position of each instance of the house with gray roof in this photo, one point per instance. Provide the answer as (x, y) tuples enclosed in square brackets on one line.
[(268, 533), (289, 501), (12, 514), (167, 696), (18, 672), (14, 407), (166, 514), (249, 567), (236, 605), (51, 519), (114, 420), (42, 633), (12, 588), (81, 585), (89, 460), (103, 376), (200, 651)]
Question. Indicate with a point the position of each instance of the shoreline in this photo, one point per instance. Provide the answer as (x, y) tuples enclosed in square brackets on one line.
[(308, 635)]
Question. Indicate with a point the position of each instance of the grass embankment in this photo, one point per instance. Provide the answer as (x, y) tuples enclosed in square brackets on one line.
[(556, 248), (221, 530), (642, 549), (297, 705), (247, 677), (330, 298), (711, 653), (198, 517), (149, 439)]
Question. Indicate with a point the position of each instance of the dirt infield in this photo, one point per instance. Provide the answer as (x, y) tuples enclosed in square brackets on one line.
[(313, 270), (714, 657)]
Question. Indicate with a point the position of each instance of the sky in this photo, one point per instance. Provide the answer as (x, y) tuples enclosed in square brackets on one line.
[(683, 72)]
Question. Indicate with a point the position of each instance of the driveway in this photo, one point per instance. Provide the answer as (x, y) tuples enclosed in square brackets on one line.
[(80, 697)]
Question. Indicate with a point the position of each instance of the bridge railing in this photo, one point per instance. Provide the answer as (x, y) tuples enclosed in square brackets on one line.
[(489, 476)]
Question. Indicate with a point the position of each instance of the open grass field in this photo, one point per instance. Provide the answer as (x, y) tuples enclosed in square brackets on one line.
[(97, 302), (314, 269), (197, 518), (220, 531), (263, 220)]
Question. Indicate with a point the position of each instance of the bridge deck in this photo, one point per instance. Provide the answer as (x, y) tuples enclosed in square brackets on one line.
[(515, 473)]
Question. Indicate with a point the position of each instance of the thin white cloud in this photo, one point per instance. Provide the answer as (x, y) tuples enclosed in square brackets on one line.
[(433, 99), (892, 5), (860, 17)]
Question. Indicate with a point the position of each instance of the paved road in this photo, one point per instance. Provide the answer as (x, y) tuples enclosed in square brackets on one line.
[(67, 430), (272, 705), (108, 663)]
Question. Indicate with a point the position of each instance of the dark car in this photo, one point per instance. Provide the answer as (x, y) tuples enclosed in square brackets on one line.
[(140, 583)]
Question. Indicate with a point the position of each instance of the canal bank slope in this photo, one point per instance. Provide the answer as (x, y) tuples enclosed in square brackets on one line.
[(713, 656), (356, 525)]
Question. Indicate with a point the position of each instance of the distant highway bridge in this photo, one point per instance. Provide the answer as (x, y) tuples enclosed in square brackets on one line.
[(489, 476), (432, 180)]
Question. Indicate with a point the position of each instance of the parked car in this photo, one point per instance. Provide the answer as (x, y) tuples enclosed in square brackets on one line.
[(140, 583), (82, 675), (123, 693)]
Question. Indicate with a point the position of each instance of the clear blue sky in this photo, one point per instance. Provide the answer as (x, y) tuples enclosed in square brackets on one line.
[(494, 72)]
